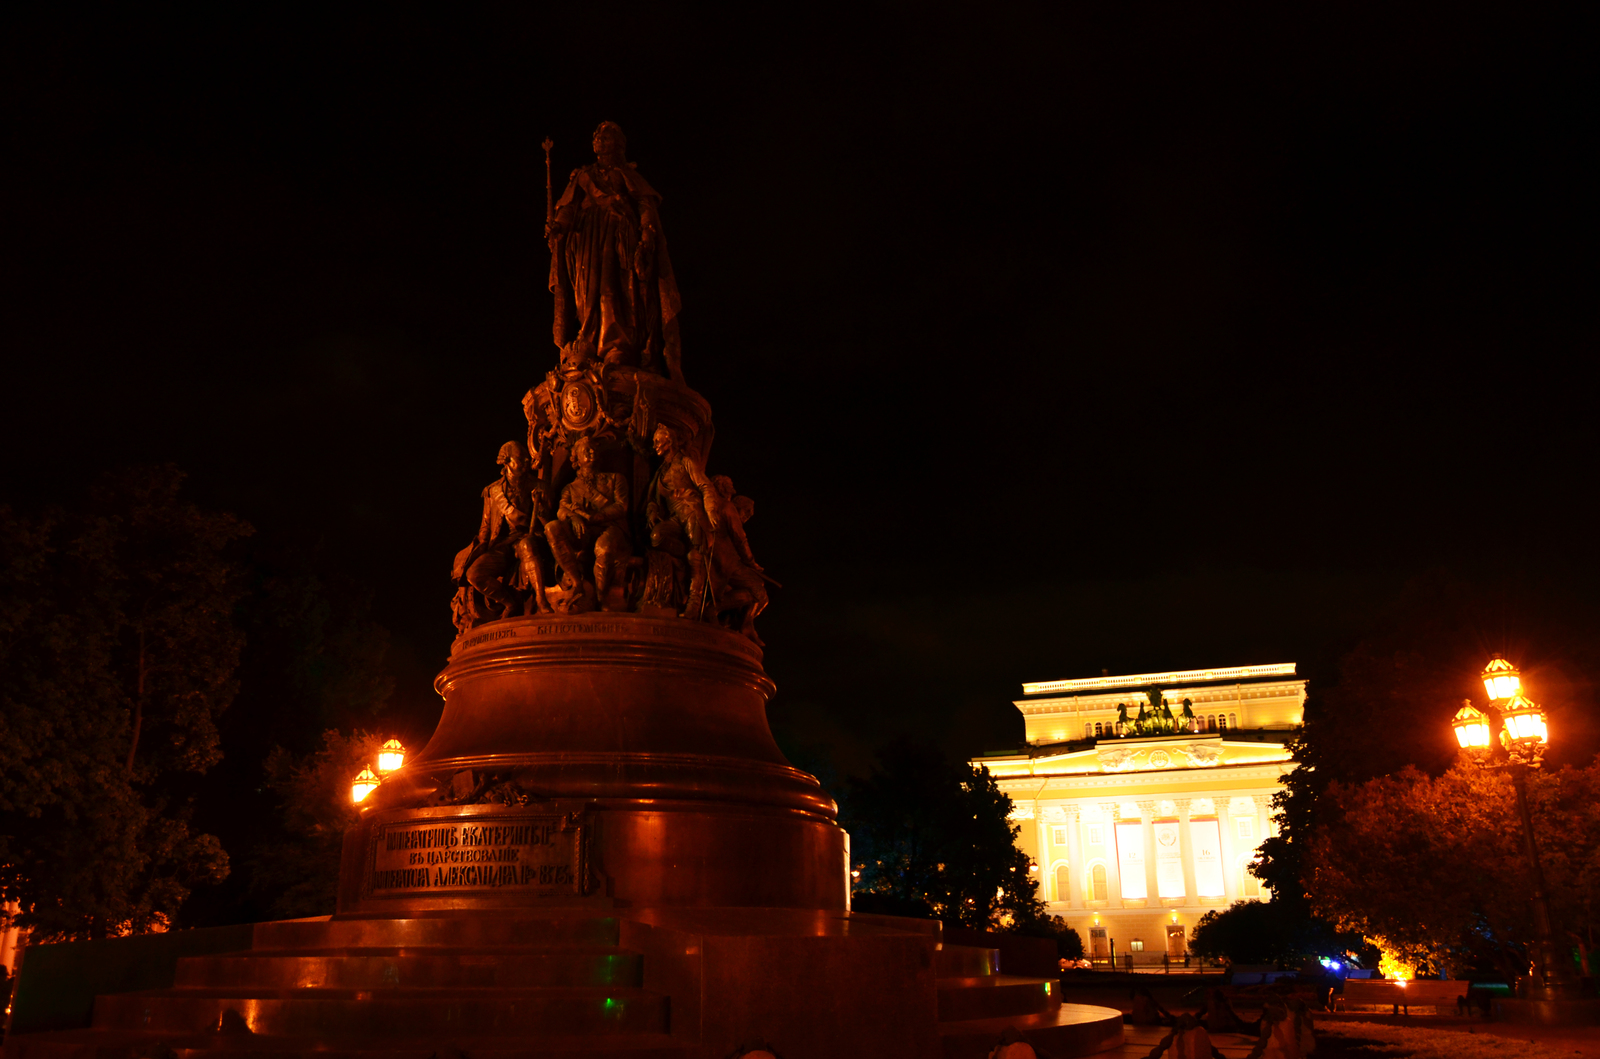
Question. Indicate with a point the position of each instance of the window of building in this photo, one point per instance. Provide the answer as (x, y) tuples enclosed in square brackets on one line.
[(1249, 885), (1097, 882), (1088, 729), (1095, 837), (1211, 722), (1058, 836), (1136, 945), (1233, 720), (1063, 883), (1247, 829), (1097, 730), (1222, 723)]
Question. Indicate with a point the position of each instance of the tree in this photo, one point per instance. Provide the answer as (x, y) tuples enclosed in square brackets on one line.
[(934, 837), (1434, 867), (117, 653), (1273, 932), (1397, 689), (297, 872)]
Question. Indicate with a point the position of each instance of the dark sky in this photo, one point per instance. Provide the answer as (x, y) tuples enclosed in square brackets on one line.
[(1046, 338)]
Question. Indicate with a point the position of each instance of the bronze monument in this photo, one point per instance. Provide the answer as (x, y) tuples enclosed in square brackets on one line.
[(601, 843)]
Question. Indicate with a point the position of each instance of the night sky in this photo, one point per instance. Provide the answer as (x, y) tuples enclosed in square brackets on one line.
[(1046, 339)]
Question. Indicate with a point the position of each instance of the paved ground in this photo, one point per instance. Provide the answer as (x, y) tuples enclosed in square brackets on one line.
[(1547, 1042), (1570, 1040)]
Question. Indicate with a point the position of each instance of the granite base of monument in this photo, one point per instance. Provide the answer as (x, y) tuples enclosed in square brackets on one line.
[(601, 851), (562, 982)]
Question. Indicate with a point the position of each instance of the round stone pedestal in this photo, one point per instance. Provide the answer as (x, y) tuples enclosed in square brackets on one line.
[(598, 756)]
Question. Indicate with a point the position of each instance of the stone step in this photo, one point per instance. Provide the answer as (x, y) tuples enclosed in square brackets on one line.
[(993, 996), (388, 1015), (965, 961), (1071, 1029), (455, 931), (103, 1044), (375, 968)]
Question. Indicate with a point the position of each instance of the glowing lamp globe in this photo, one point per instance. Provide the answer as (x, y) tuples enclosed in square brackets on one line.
[(1501, 679), (365, 783), (1471, 727), (1525, 722), (390, 757)]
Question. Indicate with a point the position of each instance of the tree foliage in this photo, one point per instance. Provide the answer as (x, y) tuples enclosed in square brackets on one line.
[(934, 837), (1275, 932), (296, 873), (118, 649), (1397, 689), (1435, 866)]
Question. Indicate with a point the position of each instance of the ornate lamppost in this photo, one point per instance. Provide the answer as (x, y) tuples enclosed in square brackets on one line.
[(1511, 736)]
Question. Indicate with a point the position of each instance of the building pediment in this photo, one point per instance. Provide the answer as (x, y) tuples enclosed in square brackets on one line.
[(1135, 755)]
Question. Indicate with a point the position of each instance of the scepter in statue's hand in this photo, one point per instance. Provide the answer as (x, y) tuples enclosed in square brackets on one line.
[(549, 208)]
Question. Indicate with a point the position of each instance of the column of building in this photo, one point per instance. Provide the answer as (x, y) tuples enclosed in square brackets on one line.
[(1263, 815), (1110, 813), (1147, 831), (1046, 852), (1076, 861), (1230, 843), (1263, 822), (1191, 890)]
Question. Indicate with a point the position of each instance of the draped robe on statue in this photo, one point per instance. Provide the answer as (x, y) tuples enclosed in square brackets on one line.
[(616, 297)]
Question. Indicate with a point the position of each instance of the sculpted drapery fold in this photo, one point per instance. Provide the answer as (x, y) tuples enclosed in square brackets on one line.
[(616, 297)]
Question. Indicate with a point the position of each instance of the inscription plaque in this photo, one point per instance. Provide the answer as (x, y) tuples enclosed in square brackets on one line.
[(537, 854)]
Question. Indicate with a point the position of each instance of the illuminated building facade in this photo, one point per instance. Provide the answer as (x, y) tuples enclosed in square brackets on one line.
[(1136, 836)]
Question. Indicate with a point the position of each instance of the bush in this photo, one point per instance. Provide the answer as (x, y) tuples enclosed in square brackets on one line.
[(1069, 943)]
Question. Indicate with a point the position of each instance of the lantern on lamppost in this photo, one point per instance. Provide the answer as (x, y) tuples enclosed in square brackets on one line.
[(1526, 735), (390, 757), (1501, 679), (1472, 731), (364, 784), (1511, 735)]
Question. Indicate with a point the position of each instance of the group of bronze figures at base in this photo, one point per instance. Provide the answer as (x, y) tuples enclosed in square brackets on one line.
[(543, 551), (562, 529)]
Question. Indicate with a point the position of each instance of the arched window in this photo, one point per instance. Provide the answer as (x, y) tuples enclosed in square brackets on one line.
[(1211, 722), (1097, 882), (1222, 723), (1097, 730), (1233, 720), (1063, 883), (1088, 729)]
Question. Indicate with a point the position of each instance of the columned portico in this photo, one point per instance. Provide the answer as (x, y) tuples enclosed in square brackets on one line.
[(1193, 805)]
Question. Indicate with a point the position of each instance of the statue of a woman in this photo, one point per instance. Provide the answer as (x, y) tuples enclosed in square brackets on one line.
[(616, 298)]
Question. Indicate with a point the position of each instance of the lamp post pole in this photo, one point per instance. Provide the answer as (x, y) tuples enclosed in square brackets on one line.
[(1553, 979), (1511, 737)]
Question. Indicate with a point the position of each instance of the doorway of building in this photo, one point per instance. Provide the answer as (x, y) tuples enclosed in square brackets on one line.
[(1175, 941), (1097, 943)]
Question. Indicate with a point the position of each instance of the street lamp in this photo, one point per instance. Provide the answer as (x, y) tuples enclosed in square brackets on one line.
[(1511, 736), (364, 784), (390, 757)]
